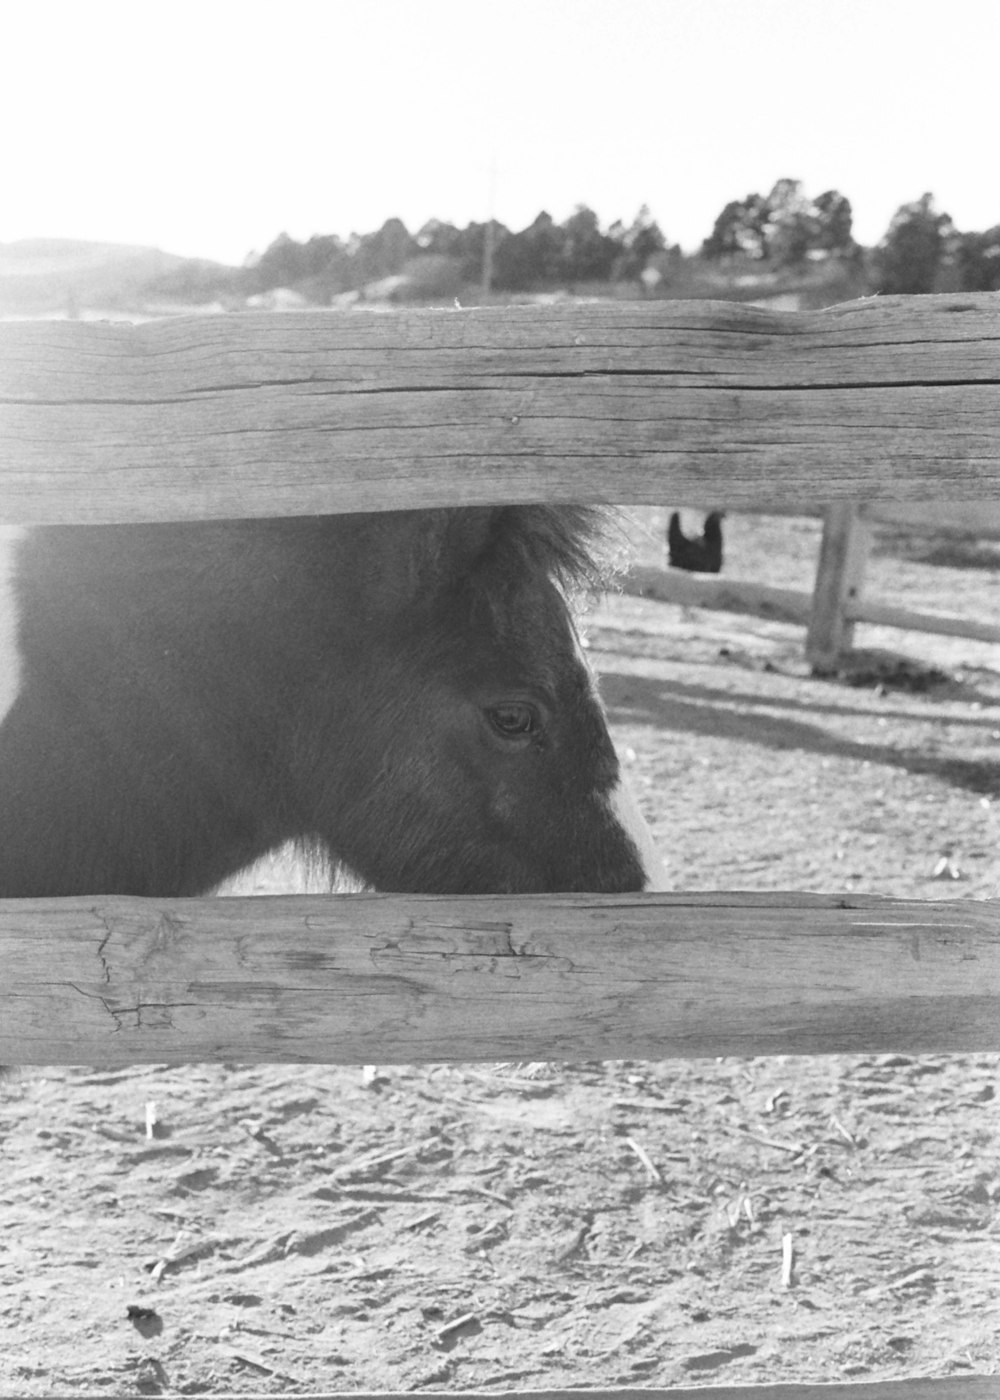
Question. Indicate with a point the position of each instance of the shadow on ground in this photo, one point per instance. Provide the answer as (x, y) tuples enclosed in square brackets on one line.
[(742, 717)]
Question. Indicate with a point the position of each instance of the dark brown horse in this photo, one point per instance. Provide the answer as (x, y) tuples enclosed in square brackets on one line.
[(403, 693)]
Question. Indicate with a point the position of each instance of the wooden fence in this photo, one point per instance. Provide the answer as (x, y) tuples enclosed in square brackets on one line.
[(838, 600), (261, 415)]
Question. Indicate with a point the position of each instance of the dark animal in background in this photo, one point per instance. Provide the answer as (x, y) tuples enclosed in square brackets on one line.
[(698, 556), (403, 693)]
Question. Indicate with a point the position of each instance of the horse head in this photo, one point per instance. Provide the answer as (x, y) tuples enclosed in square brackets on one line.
[(486, 764)]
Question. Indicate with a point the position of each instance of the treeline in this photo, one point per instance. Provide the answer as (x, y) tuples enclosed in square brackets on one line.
[(783, 232), (440, 259), (921, 251)]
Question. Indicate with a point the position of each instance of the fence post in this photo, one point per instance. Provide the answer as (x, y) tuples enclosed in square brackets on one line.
[(839, 580)]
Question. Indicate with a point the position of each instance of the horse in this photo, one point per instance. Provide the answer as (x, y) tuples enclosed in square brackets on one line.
[(402, 694)]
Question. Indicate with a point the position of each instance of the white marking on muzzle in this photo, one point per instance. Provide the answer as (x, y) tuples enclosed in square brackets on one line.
[(10, 651), (623, 805), (626, 809)]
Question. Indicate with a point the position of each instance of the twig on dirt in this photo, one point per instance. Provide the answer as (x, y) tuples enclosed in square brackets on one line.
[(159, 1150), (242, 1327), (914, 1278), (255, 1363), (483, 1191), (182, 1254), (787, 1260), (256, 1131), (741, 1205), (946, 869), (773, 1099), (380, 1159), (457, 1323), (499, 1378), (268, 1253), (845, 1133), (428, 1218), (467, 1322), (308, 1242), (523, 1084), (113, 1134), (650, 1105), (797, 1149), (305, 1243), (645, 1159)]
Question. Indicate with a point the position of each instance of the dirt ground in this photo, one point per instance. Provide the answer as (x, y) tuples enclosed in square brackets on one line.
[(290, 1229)]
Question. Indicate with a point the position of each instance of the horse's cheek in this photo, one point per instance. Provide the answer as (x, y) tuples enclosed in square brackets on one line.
[(503, 804)]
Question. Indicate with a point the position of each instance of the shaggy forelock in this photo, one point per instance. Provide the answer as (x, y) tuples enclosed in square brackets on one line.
[(571, 544)]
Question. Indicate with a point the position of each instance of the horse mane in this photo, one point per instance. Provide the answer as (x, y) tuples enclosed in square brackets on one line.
[(569, 544)]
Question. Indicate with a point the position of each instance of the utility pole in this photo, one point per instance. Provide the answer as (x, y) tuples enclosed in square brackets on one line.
[(489, 241)]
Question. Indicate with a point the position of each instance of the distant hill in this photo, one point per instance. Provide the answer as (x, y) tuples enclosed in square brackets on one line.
[(65, 276), (69, 277)]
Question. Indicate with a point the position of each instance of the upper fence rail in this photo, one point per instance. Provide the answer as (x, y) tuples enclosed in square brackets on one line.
[(315, 412)]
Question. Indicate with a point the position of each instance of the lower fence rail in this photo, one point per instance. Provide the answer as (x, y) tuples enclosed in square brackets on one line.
[(837, 602), (791, 605), (359, 979), (918, 1388)]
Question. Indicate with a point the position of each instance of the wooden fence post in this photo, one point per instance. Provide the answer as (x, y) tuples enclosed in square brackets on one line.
[(839, 580)]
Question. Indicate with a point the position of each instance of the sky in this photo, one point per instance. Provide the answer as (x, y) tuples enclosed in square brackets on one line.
[(208, 128)]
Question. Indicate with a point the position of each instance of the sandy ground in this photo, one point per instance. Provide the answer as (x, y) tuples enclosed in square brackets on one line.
[(317, 1229)]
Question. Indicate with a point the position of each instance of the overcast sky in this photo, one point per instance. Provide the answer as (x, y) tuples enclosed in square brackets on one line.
[(207, 128)]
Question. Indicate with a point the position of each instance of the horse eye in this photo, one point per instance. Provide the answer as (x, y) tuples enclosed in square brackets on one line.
[(514, 720)]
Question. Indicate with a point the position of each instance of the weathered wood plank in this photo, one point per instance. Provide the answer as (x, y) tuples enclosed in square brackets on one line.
[(839, 585), (791, 605), (942, 624), (361, 978), (718, 594), (962, 1387), (635, 402), (912, 1388)]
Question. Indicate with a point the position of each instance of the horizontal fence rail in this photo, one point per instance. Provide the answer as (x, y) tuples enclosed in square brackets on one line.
[(377, 978), (918, 1388), (960, 1387), (266, 414), (792, 605)]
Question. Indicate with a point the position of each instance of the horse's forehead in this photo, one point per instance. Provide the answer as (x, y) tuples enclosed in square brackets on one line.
[(539, 623), (10, 654)]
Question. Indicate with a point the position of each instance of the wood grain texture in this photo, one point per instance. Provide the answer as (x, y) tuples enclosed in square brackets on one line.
[(915, 1388), (838, 587), (962, 1387), (376, 978), (270, 414), (718, 593)]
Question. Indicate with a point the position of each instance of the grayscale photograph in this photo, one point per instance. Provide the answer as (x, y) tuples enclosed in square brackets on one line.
[(500, 700)]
